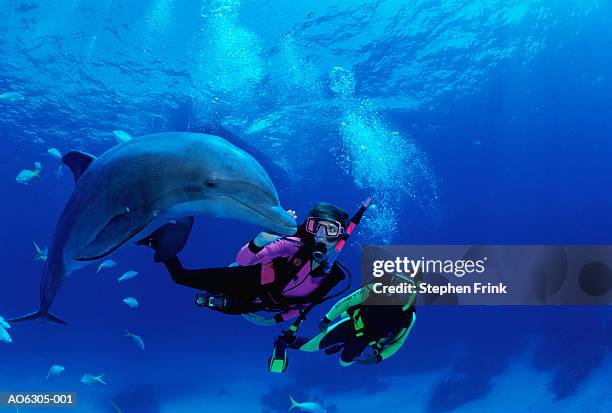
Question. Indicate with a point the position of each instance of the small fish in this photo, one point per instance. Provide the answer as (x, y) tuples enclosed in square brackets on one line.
[(54, 152), (11, 97), (127, 275), (122, 136), (312, 407), (131, 301), (5, 336), (106, 264), (41, 253), (136, 338), (26, 175), (55, 370), (91, 379), (4, 323)]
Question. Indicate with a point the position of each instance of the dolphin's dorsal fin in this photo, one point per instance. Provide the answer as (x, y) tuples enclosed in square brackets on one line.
[(78, 162)]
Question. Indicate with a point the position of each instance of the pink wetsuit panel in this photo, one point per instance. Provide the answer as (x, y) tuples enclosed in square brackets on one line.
[(280, 248), (302, 284)]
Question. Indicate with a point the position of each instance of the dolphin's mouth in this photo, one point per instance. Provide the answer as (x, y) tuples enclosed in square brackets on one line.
[(286, 229)]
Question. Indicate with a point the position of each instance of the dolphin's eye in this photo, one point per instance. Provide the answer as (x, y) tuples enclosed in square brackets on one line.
[(209, 184)]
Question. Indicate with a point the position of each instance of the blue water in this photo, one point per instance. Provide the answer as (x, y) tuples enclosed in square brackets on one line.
[(466, 121)]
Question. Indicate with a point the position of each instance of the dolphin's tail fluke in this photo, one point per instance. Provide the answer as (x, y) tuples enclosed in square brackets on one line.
[(38, 315)]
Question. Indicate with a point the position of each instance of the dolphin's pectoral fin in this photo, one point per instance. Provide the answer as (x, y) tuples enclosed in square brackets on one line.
[(117, 232), (78, 162), (169, 239)]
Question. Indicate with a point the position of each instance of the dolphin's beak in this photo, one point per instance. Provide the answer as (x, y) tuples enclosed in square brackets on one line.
[(281, 222), (272, 218)]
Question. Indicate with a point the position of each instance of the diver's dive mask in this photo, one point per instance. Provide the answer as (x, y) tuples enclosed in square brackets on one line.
[(332, 229)]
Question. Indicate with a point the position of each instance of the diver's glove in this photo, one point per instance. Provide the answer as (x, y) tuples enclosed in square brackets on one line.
[(288, 339), (376, 352), (259, 320), (369, 360), (374, 358), (324, 323)]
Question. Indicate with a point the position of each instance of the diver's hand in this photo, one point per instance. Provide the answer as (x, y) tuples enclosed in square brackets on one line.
[(366, 361), (374, 358), (258, 320), (324, 323), (264, 238)]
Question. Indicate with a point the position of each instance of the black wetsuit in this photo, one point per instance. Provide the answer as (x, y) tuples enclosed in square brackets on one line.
[(382, 322), (242, 284)]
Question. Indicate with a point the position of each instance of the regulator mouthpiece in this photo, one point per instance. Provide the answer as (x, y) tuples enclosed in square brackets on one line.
[(319, 252)]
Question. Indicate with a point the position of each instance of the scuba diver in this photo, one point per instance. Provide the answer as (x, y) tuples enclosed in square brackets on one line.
[(277, 275), (381, 322)]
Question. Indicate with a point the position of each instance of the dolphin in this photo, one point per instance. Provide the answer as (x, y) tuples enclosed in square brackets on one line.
[(141, 184)]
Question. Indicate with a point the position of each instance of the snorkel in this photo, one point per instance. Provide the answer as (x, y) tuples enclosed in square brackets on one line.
[(353, 223)]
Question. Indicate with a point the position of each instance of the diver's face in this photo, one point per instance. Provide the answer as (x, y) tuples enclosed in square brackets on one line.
[(330, 243)]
